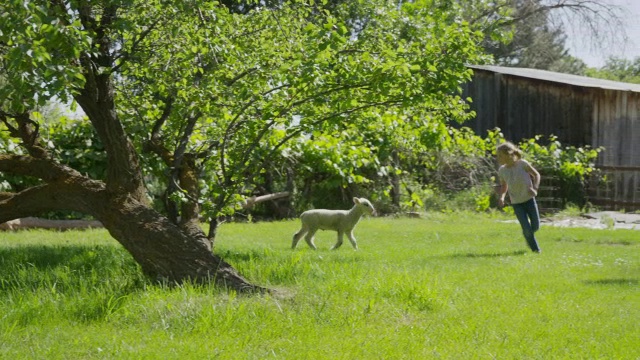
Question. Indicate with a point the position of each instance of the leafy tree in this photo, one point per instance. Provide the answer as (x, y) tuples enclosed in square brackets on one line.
[(207, 97), (532, 33), (618, 69), (535, 43)]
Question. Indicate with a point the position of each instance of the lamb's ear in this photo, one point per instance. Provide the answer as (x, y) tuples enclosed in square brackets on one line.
[(356, 200)]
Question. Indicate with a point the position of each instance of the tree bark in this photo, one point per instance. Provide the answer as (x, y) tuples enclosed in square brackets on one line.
[(395, 180), (164, 250)]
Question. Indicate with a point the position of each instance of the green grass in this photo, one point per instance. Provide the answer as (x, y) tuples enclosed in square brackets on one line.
[(459, 286)]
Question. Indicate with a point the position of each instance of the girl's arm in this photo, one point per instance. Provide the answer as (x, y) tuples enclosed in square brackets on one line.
[(502, 191), (535, 179)]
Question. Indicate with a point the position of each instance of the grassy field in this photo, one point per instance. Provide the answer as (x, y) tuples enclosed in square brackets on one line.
[(458, 286)]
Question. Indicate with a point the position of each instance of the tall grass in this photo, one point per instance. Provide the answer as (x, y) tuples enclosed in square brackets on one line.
[(458, 286)]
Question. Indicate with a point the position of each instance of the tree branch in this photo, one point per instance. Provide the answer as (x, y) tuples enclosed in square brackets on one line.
[(27, 131), (252, 201), (48, 197), (97, 99), (181, 171), (286, 109), (298, 131), (134, 45), (154, 143), (45, 169)]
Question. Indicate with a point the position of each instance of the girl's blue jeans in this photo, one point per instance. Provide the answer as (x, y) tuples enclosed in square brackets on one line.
[(529, 218)]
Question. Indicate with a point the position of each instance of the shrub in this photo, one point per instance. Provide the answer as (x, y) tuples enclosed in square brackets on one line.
[(570, 166)]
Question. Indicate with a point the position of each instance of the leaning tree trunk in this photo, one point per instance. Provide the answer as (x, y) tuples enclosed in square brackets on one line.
[(163, 249)]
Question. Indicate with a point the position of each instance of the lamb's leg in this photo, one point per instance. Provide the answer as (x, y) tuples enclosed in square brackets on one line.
[(309, 238), (297, 236), (353, 240), (339, 243)]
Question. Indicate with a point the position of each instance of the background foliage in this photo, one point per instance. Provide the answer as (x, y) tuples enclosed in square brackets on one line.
[(326, 100), (456, 173)]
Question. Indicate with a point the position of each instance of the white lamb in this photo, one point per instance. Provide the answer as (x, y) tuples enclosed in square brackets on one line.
[(342, 221)]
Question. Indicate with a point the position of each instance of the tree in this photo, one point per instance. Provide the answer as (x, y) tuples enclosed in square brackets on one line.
[(617, 69), (532, 33), (206, 98)]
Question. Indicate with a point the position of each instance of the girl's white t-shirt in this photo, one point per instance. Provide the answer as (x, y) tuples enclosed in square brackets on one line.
[(518, 181)]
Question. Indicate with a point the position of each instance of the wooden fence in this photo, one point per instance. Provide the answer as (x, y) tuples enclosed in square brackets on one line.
[(617, 189), (549, 199)]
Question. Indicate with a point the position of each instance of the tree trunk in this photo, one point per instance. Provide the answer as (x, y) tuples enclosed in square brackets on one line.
[(164, 250), (395, 180)]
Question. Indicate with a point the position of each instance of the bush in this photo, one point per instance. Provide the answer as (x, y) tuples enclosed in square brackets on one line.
[(461, 174), (570, 166)]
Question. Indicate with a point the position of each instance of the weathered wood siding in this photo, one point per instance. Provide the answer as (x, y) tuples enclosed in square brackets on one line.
[(616, 127), (523, 107)]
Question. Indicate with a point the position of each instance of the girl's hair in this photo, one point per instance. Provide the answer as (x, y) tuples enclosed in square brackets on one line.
[(510, 149)]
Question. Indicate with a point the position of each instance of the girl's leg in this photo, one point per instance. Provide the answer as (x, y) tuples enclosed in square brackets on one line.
[(524, 212), (534, 214), (534, 217)]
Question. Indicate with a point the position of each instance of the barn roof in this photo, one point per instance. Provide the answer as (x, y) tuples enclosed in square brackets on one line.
[(556, 77)]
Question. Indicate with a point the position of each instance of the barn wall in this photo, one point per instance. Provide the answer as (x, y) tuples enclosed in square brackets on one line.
[(523, 107), (616, 127), (484, 91)]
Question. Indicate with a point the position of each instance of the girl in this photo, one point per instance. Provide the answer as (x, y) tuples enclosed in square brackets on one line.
[(521, 181)]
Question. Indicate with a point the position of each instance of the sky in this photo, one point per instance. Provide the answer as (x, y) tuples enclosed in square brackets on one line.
[(580, 44)]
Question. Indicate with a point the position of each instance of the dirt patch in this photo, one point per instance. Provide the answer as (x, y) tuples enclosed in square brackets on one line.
[(597, 220)]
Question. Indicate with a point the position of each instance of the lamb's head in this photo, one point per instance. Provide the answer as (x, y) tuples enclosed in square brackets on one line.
[(364, 205)]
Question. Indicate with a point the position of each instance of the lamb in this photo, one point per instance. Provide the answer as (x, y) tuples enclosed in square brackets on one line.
[(342, 221)]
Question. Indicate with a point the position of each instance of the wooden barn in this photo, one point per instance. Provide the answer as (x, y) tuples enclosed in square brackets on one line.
[(578, 110)]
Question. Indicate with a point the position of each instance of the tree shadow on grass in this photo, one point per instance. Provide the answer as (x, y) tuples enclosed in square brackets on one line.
[(40, 257), (30, 268), (490, 255), (48, 257), (94, 281), (236, 256), (619, 281)]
